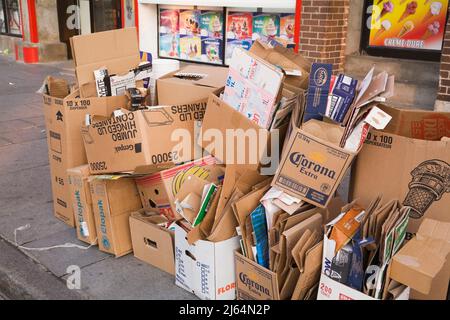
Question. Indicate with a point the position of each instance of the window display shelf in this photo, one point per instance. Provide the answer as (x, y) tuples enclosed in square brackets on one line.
[(268, 4)]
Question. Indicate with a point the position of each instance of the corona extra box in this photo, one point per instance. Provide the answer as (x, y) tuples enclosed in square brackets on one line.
[(313, 164), (255, 282)]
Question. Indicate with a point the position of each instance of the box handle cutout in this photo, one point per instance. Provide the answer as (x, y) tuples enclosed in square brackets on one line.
[(190, 255), (150, 243), (152, 203)]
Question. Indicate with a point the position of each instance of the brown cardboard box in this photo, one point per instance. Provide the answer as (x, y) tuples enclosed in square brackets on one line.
[(144, 137), (63, 119), (313, 164), (82, 204), (407, 161), (255, 282), (424, 262), (174, 91), (234, 139), (295, 254), (114, 198), (158, 190), (117, 50), (152, 242)]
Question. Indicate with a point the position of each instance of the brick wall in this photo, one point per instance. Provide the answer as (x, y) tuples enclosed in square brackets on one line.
[(323, 31), (444, 76)]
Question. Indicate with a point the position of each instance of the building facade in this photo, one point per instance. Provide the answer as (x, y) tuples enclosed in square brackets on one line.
[(340, 32), (410, 39)]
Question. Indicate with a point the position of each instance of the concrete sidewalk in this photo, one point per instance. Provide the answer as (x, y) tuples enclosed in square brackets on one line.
[(25, 198)]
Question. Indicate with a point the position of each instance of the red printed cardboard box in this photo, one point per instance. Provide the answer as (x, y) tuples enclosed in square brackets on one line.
[(158, 190)]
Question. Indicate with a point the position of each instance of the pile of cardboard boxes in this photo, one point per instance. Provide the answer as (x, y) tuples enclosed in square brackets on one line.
[(229, 181)]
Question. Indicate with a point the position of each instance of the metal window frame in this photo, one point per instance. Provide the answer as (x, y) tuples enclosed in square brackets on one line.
[(92, 18), (6, 19)]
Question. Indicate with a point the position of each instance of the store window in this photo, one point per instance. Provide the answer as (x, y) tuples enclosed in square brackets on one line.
[(2, 18), (105, 15), (10, 18), (410, 29), (209, 35)]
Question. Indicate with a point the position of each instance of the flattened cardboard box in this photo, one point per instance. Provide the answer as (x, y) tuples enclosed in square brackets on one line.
[(407, 161), (144, 137), (158, 190), (117, 50), (152, 243), (311, 168), (114, 198), (63, 118), (205, 268), (82, 204), (173, 90)]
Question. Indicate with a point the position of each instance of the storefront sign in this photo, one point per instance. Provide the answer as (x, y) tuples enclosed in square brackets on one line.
[(407, 24)]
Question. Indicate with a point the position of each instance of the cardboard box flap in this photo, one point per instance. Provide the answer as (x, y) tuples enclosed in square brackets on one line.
[(324, 131), (418, 124), (111, 177), (214, 77), (229, 119), (420, 261), (416, 266), (286, 59), (74, 94), (149, 217), (117, 50), (434, 229), (104, 46), (57, 88), (152, 168)]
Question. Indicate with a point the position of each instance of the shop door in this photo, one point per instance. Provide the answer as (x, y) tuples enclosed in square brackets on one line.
[(105, 15), (69, 22)]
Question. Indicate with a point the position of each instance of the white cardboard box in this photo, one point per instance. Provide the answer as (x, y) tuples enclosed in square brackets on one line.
[(330, 289), (333, 290), (206, 268)]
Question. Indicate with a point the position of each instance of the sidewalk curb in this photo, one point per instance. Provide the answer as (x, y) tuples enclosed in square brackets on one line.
[(23, 279)]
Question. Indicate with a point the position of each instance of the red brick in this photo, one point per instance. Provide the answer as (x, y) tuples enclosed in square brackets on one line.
[(323, 31)]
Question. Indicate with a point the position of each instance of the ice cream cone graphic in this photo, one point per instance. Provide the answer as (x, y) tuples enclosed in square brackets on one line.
[(432, 30), (385, 26), (427, 35), (387, 8), (430, 181), (435, 9), (411, 8), (407, 27)]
